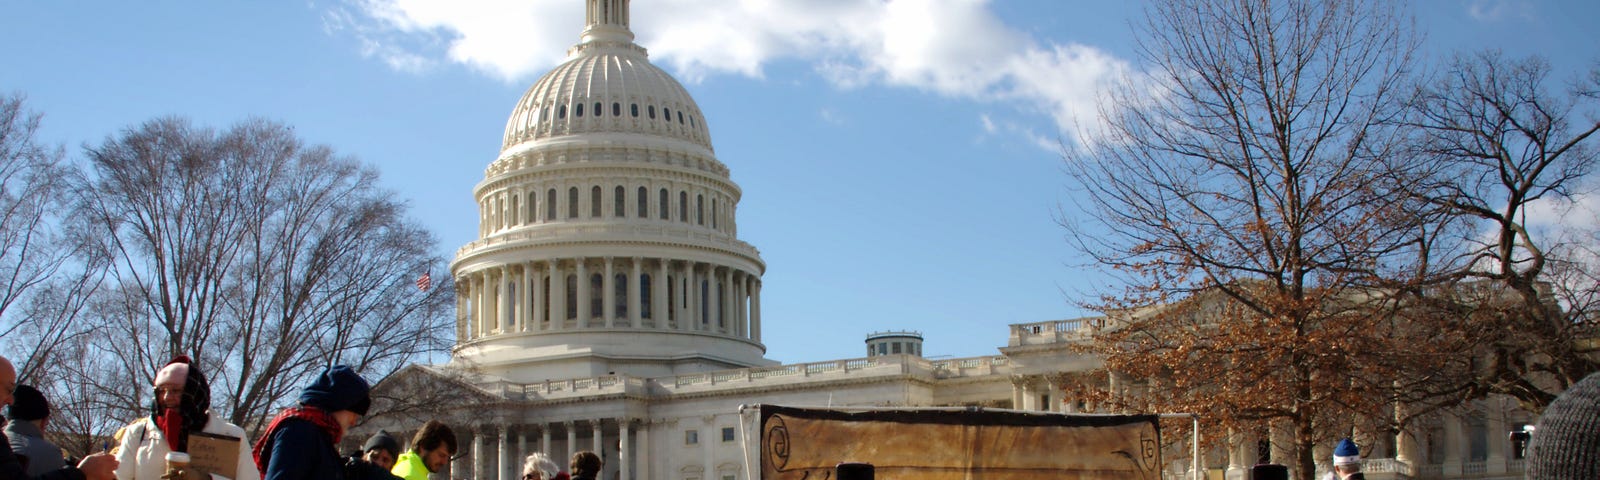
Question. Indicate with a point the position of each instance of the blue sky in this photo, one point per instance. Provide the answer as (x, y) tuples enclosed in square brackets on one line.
[(897, 158)]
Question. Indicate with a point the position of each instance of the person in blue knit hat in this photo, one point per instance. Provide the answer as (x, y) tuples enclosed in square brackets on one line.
[(302, 442), (1347, 461)]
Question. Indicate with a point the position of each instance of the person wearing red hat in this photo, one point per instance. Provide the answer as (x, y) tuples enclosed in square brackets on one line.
[(181, 406)]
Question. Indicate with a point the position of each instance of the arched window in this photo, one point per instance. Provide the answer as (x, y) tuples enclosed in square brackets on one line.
[(550, 205), (572, 202), (619, 284), (691, 122), (683, 206), (667, 114), (714, 203), (672, 298), (644, 296), (705, 304), (634, 107), (513, 217), (597, 295), (652, 109), (664, 205), (680, 117), (561, 111), (577, 110), (594, 202), (700, 209), (644, 202), (619, 202), (597, 109), (616, 109), (722, 313)]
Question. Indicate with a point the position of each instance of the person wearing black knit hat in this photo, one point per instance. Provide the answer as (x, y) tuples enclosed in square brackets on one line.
[(97, 466), (301, 443), (1565, 444), (374, 460), (29, 415), (180, 407)]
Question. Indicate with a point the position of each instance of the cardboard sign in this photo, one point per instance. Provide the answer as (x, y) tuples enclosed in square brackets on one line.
[(214, 453)]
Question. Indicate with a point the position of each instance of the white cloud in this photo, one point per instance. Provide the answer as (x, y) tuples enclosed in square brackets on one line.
[(1495, 10), (952, 48)]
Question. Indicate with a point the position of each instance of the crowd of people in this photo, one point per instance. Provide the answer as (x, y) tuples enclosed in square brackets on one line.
[(300, 443)]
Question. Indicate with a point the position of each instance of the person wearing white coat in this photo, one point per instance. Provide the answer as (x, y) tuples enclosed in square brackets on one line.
[(182, 404)]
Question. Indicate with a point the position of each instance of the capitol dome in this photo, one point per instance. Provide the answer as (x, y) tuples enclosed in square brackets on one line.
[(607, 240)]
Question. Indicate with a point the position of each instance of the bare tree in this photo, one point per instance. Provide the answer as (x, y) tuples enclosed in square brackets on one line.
[(1493, 141), (1236, 194), (262, 257)]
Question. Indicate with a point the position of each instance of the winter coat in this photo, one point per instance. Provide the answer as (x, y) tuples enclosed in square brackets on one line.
[(143, 451), (28, 441), (300, 450), (357, 468), (11, 467), (410, 467)]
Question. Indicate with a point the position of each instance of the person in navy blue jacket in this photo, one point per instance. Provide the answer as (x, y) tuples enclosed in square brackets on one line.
[(302, 442)]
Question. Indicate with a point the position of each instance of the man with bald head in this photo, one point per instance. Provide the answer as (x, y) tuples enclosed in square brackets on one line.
[(99, 466)]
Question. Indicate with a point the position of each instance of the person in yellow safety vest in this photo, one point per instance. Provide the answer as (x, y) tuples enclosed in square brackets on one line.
[(431, 449)]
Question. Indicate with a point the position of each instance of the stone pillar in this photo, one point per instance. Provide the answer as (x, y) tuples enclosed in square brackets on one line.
[(644, 449), (544, 439), (463, 290), (479, 444), (1454, 446), (525, 298), (635, 301), (480, 308), (692, 274), (608, 297), (658, 292), (755, 310), (583, 293), (504, 457), (741, 302), (506, 296), (536, 300), (558, 297), (1498, 437), (572, 441), (599, 445), (623, 471), (1016, 392), (1282, 443), (522, 452)]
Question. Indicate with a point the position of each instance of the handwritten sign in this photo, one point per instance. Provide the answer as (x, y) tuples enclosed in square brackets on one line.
[(214, 453)]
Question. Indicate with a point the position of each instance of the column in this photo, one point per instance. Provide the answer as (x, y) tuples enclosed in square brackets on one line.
[(622, 448), (725, 299), (558, 297), (1282, 443), (478, 446), (1030, 395), (524, 298), (536, 300), (522, 452), (742, 305), (691, 298), (755, 310), (544, 439), (1499, 440), (644, 449), (1016, 392), (1454, 445), (608, 295), (504, 461), (572, 441), (598, 445), (505, 296), (635, 302), (479, 287), (463, 289), (583, 293), (658, 292)]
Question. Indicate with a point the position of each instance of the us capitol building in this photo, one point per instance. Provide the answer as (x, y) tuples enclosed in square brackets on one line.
[(609, 305)]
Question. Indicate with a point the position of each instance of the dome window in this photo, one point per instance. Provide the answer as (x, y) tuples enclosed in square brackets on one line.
[(652, 109), (577, 110), (619, 202), (561, 112), (594, 202), (597, 109), (666, 113), (665, 205), (691, 122), (550, 205), (572, 202), (683, 206), (635, 109), (616, 109), (644, 202), (680, 117)]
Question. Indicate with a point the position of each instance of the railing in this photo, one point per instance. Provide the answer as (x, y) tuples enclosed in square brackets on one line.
[(1385, 465), (1055, 331), (580, 230)]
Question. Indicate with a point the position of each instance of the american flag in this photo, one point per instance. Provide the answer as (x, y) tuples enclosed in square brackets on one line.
[(424, 281)]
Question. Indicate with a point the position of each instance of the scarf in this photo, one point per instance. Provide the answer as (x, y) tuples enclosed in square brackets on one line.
[(170, 421), (316, 416)]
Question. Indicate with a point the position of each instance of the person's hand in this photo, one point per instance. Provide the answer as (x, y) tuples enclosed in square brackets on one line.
[(100, 466)]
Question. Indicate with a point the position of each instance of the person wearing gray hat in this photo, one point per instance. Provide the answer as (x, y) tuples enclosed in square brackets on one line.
[(29, 415), (1565, 444)]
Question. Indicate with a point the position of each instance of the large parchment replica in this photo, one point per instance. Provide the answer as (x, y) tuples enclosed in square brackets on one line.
[(953, 444)]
